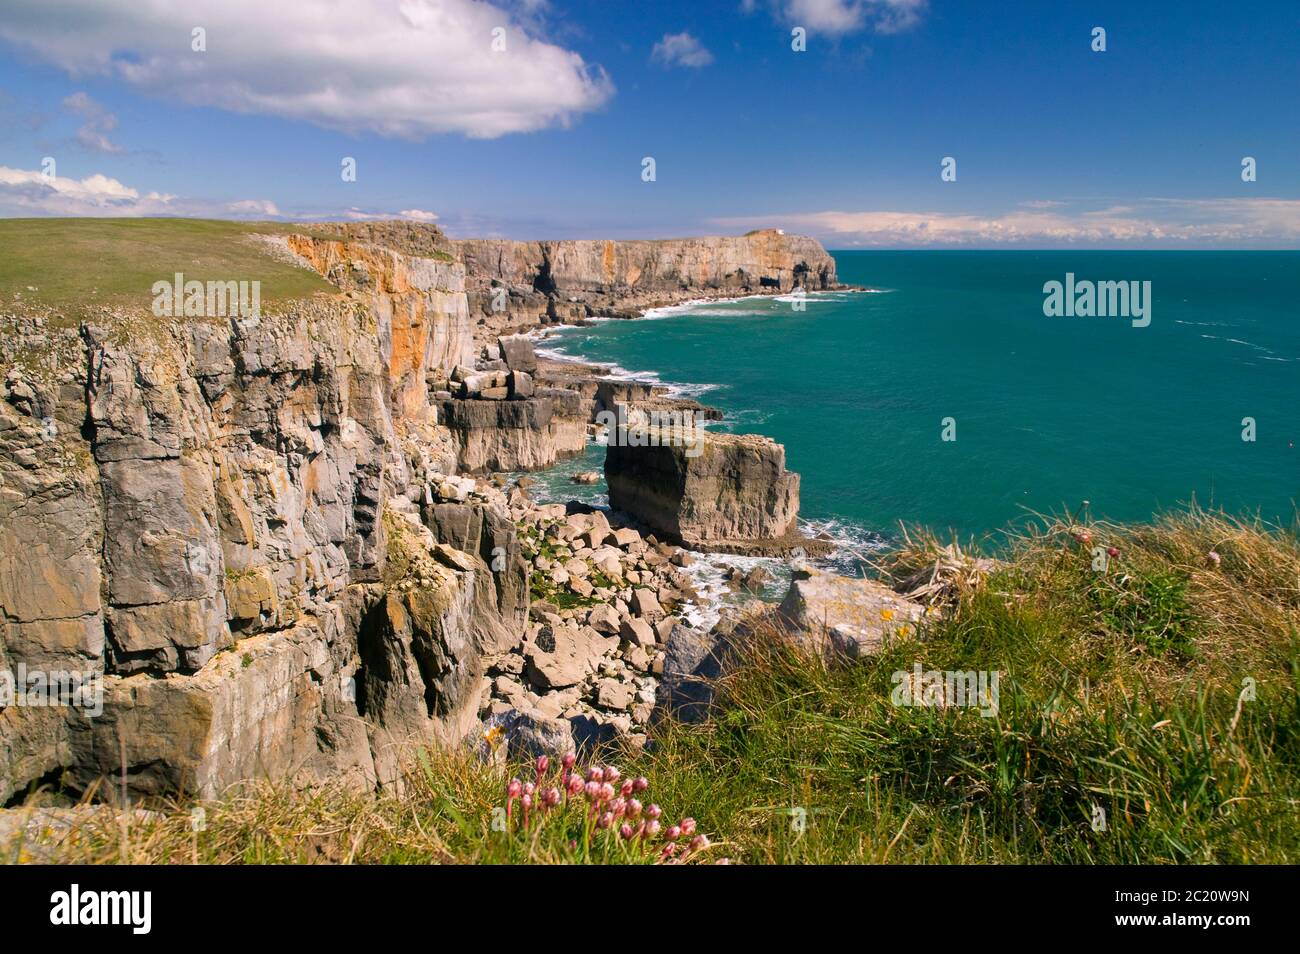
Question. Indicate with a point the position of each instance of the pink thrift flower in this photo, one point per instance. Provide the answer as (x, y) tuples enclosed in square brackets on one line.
[(653, 810), (651, 828), (673, 833), (625, 831), (605, 820), (688, 827), (640, 784), (633, 808)]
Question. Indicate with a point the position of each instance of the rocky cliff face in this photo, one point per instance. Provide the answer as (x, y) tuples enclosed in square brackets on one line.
[(250, 531), (203, 514), (520, 284)]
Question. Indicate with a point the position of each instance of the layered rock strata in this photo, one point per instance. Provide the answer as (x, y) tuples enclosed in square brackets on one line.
[(523, 284), (200, 514), (712, 491)]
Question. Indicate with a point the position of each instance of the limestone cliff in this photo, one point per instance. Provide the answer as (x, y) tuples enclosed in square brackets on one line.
[(249, 527), (202, 512), (519, 284), (712, 491)]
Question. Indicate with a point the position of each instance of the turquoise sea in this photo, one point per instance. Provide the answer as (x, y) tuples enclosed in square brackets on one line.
[(1048, 412)]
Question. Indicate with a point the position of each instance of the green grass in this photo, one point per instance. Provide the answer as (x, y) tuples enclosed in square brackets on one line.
[(1163, 692), (76, 265)]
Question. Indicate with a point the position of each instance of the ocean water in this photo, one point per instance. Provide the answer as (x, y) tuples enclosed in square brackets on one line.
[(1048, 412)]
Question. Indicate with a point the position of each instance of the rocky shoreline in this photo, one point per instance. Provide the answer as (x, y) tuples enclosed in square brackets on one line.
[(284, 546)]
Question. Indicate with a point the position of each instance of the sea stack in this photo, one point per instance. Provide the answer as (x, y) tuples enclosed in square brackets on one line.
[(726, 493)]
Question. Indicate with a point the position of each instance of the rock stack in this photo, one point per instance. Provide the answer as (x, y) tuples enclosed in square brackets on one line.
[(725, 493)]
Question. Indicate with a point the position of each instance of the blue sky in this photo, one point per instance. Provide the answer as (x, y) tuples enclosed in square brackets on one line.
[(1055, 144)]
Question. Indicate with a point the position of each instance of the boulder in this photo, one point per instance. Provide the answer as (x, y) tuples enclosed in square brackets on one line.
[(518, 352), (637, 632), (846, 617), (530, 734), (625, 537), (646, 604), (562, 656), (520, 385), (604, 619), (612, 694), (693, 660)]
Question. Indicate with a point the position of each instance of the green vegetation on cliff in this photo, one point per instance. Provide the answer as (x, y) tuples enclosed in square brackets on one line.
[(75, 265), (1149, 712)]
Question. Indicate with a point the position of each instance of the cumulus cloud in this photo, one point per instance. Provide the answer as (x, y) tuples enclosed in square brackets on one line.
[(1153, 222), (847, 16), (408, 68), (97, 123), (681, 49), (31, 192)]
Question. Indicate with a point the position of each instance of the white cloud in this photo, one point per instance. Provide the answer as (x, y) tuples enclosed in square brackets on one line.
[(97, 123), (31, 192), (367, 215), (408, 68), (850, 16), (681, 49), (1155, 222), (263, 208)]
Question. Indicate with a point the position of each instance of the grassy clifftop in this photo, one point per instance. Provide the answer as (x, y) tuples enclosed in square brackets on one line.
[(1149, 712), (71, 266)]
